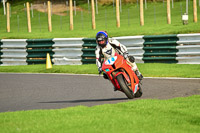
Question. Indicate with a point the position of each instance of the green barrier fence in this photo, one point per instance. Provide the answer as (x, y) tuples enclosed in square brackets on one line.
[(160, 49), (88, 50), (37, 50), (157, 49)]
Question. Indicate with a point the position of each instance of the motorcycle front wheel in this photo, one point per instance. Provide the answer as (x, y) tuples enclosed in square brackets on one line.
[(124, 87), (139, 92)]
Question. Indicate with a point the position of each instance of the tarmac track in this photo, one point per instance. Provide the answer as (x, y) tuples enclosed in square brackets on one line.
[(53, 91)]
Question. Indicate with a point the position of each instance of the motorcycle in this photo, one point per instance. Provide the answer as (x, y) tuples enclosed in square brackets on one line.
[(124, 79)]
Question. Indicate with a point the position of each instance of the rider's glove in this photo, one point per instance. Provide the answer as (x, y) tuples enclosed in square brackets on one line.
[(100, 70), (125, 54)]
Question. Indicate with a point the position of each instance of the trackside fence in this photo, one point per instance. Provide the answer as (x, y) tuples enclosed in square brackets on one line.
[(13, 52), (188, 49), (160, 49), (134, 45), (67, 51), (89, 46), (181, 49), (37, 50), (0, 51)]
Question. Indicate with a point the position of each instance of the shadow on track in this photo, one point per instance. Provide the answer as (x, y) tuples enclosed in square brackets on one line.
[(87, 100)]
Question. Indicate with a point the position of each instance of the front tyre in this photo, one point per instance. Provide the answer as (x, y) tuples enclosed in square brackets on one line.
[(124, 87)]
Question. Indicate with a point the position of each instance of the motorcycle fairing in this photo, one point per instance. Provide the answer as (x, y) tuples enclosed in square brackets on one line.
[(118, 65)]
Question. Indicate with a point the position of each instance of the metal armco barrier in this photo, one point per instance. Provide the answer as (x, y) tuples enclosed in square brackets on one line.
[(13, 52), (188, 49), (67, 51), (181, 48), (37, 50), (0, 52), (134, 45)]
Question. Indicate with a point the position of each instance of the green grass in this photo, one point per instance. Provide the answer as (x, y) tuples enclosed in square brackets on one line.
[(147, 69), (178, 115), (151, 116), (154, 18), (170, 70)]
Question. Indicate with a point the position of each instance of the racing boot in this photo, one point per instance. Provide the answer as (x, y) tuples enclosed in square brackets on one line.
[(139, 75), (114, 89), (137, 72)]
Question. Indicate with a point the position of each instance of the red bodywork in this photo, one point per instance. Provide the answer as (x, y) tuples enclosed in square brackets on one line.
[(120, 66)]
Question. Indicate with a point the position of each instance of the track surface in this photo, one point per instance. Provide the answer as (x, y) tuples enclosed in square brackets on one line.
[(52, 91)]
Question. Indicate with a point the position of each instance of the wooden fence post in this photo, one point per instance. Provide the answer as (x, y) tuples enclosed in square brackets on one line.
[(117, 14), (141, 13), (93, 15), (71, 15), (49, 16), (28, 16), (168, 12), (8, 17), (195, 10)]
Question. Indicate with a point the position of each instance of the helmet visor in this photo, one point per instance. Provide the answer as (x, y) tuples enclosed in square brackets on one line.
[(102, 42)]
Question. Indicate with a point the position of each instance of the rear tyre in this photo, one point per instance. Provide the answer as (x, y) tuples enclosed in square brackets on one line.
[(124, 87)]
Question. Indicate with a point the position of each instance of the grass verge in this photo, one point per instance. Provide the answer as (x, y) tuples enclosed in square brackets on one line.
[(178, 115), (155, 21), (147, 69)]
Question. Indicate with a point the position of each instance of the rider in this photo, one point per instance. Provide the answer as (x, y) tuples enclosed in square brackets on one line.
[(107, 47)]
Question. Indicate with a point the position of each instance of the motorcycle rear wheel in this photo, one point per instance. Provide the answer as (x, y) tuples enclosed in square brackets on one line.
[(124, 87)]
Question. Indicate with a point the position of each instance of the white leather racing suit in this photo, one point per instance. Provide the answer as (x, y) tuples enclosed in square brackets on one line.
[(109, 51)]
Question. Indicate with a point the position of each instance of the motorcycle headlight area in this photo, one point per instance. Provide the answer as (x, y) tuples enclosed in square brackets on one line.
[(107, 70)]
